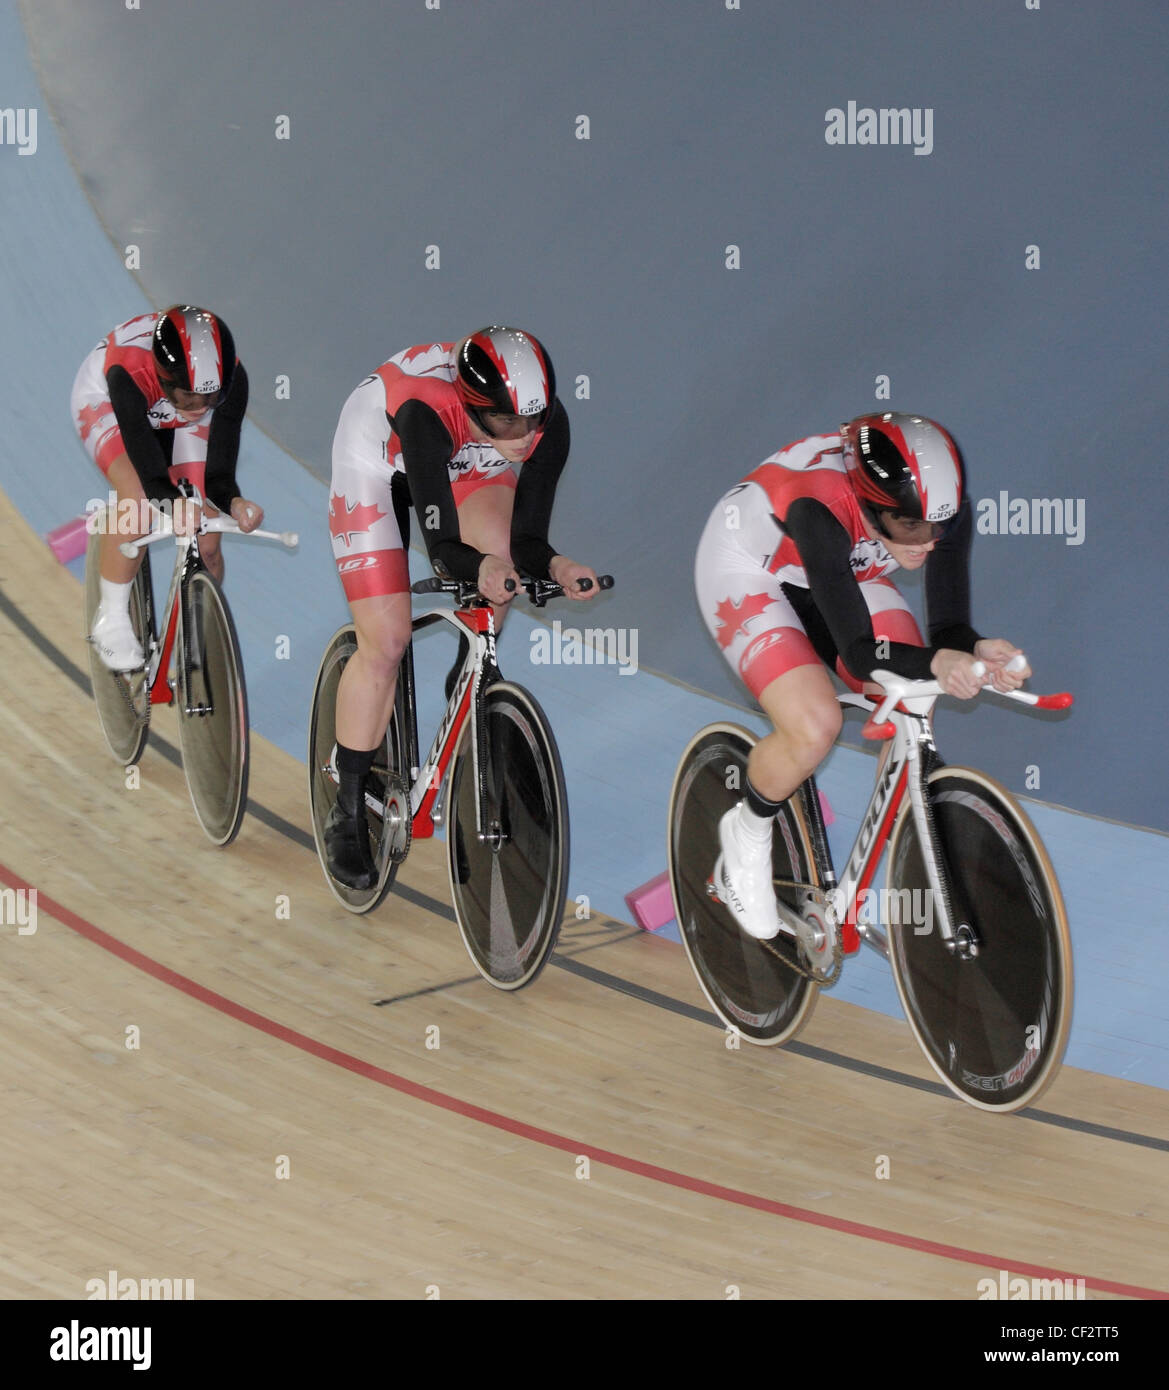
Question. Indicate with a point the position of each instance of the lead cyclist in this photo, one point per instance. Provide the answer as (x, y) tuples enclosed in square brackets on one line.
[(792, 575)]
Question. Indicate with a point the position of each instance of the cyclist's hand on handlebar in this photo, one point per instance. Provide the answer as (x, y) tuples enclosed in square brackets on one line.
[(954, 672), (995, 653), (494, 574), (246, 515), (568, 574)]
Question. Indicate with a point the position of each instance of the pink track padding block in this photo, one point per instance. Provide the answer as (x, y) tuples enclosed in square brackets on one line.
[(69, 540), (829, 814), (652, 904)]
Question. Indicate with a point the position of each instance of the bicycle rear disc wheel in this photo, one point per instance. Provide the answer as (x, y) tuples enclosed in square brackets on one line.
[(383, 783), (994, 1027), (509, 899), (122, 701), (213, 725), (763, 998)]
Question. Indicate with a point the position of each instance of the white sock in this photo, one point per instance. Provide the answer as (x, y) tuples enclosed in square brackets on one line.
[(116, 597)]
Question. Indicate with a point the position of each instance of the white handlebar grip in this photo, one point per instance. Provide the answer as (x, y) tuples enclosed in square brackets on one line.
[(290, 539), (1017, 662), (978, 670)]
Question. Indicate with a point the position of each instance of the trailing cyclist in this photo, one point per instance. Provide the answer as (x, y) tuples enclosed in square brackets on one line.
[(157, 402)]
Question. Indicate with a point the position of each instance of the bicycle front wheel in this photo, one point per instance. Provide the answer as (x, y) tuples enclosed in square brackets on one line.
[(753, 987), (213, 710), (993, 1026), (122, 701), (508, 890), (388, 819)]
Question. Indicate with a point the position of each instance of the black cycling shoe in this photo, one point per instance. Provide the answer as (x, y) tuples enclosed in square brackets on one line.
[(347, 849)]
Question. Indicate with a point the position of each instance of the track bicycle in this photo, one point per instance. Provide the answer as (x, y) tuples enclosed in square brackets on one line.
[(972, 922), (192, 660), (492, 777)]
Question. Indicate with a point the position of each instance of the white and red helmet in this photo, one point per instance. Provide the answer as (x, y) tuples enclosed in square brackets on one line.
[(904, 464), (193, 351), (505, 370)]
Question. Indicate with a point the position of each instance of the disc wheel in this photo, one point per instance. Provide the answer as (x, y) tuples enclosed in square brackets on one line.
[(388, 820), (994, 1025), (508, 892), (122, 701), (213, 710), (755, 993)]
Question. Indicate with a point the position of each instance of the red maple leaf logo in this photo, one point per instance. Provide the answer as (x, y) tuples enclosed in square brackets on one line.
[(733, 618), (92, 415), (351, 519)]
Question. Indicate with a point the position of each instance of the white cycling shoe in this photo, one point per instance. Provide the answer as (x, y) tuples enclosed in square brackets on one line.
[(114, 638), (742, 875)]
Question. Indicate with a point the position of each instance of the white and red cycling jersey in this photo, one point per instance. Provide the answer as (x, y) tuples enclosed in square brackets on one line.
[(119, 407), (788, 575), (406, 420)]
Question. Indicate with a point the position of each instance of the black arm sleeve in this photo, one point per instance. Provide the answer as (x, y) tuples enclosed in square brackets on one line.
[(531, 552), (825, 548), (947, 585), (142, 445), (223, 443), (426, 452)]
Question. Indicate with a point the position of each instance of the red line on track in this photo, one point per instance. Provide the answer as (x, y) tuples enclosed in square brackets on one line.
[(544, 1136)]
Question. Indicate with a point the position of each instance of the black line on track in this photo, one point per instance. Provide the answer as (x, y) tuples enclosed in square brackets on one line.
[(574, 967)]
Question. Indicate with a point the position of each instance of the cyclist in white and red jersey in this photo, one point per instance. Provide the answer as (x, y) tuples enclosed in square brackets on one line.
[(442, 427), (160, 401), (792, 577)]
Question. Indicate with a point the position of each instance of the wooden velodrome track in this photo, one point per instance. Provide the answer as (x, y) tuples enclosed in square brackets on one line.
[(458, 1168)]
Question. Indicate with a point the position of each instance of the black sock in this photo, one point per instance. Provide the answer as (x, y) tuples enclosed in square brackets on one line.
[(353, 767), (759, 805)]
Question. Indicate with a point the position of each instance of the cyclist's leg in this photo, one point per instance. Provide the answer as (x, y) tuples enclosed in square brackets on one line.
[(764, 641), (893, 621), (374, 571), (97, 428), (485, 508), (189, 465)]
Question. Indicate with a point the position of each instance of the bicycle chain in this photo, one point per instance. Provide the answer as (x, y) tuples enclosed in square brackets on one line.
[(122, 680), (810, 972)]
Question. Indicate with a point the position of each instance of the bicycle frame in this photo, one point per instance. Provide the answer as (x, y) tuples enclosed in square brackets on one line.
[(428, 782), (905, 769), (904, 716), (189, 562)]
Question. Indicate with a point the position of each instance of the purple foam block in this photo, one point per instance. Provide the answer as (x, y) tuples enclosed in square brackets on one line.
[(652, 904), (69, 540)]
